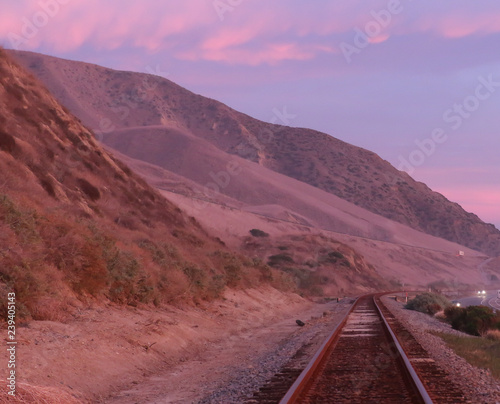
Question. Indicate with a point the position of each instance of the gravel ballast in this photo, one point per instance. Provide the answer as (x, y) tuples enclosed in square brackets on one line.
[(260, 367), (478, 385)]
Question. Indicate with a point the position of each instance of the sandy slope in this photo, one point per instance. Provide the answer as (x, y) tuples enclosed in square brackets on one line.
[(419, 260), (103, 350), (256, 186), (398, 252)]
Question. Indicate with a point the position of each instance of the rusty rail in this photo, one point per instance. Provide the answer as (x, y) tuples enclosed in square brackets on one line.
[(365, 360)]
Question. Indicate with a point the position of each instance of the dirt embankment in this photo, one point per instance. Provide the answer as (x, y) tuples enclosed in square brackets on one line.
[(111, 354)]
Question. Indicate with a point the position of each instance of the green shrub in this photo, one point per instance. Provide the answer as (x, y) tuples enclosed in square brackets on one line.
[(266, 274), (217, 286), (90, 273), (429, 303), (474, 320), (233, 273), (335, 257), (196, 275), (232, 265), (453, 315), (123, 269), (308, 281), (164, 255)]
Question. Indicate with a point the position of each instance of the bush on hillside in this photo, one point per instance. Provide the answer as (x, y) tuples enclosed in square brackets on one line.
[(429, 303), (258, 233), (279, 259), (307, 281)]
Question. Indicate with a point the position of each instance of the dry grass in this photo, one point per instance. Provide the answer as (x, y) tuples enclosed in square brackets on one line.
[(29, 394), (493, 335), (313, 264), (479, 352)]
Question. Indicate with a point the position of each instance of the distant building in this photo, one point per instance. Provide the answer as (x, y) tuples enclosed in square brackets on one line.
[(461, 253)]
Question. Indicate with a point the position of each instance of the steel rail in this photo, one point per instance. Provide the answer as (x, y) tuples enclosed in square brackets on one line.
[(409, 367), (307, 374)]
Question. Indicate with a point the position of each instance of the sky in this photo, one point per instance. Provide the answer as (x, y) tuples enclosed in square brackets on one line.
[(417, 82)]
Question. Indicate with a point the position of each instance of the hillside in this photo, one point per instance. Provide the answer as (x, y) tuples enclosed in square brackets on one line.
[(127, 110), (78, 224)]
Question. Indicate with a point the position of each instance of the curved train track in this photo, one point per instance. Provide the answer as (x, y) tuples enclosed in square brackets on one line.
[(369, 358)]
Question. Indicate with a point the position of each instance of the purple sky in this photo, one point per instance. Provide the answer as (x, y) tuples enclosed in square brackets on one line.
[(418, 82)]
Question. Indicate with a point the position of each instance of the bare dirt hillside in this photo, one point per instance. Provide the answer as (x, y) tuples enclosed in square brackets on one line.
[(426, 261), (257, 188), (132, 105)]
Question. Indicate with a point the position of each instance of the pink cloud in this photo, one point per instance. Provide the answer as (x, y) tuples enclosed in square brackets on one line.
[(228, 38), (105, 25), (270, 53), (379, 39), (459, 24), (195, 28)]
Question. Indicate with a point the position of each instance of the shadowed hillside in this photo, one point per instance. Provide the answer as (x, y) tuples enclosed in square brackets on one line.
[(116, 102)]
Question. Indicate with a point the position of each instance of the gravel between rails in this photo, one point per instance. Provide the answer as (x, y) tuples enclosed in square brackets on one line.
[(478, 384), (263, 366)]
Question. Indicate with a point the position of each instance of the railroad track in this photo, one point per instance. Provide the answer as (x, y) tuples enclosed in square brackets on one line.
[(369, 358)]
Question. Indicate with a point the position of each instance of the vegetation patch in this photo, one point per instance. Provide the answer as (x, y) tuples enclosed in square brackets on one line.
[(23, 222), (232, 265), (307, 281), (474, 320), (279, 259), (258, 233), (335, 257), (163, 254), (429, 303), (479, 352), (190, 238), (196, 276)]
